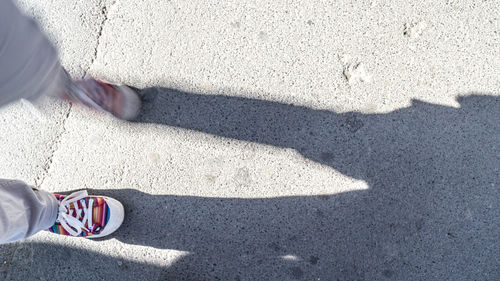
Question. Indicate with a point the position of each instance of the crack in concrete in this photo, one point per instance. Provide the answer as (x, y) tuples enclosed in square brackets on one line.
[(104, 10), (55, 147), (57, 140)]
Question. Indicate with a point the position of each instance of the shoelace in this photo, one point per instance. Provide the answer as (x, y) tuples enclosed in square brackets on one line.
[(71, 219)]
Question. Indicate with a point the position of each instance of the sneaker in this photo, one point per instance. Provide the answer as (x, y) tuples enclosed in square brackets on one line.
[(118, 100), (87, 216)]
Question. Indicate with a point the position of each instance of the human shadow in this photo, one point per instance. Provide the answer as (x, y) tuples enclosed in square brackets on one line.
[(430, 213), (372, 147), (431, 208)]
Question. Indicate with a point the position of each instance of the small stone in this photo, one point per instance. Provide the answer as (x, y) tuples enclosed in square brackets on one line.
[(356, 73), (414, 30), (120, 263)]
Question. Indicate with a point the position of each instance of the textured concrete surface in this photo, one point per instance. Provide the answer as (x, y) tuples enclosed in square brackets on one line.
[(279, 140)]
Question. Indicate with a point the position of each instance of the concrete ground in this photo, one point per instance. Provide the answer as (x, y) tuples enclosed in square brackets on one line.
[(279, 140)]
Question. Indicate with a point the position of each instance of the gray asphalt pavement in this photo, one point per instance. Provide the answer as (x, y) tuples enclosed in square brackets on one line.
[(279, 140)]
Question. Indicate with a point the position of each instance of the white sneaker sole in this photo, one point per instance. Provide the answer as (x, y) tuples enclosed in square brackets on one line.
[(132, 103)]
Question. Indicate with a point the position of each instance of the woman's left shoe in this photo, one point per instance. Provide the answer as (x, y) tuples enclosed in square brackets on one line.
[(87, 216)]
